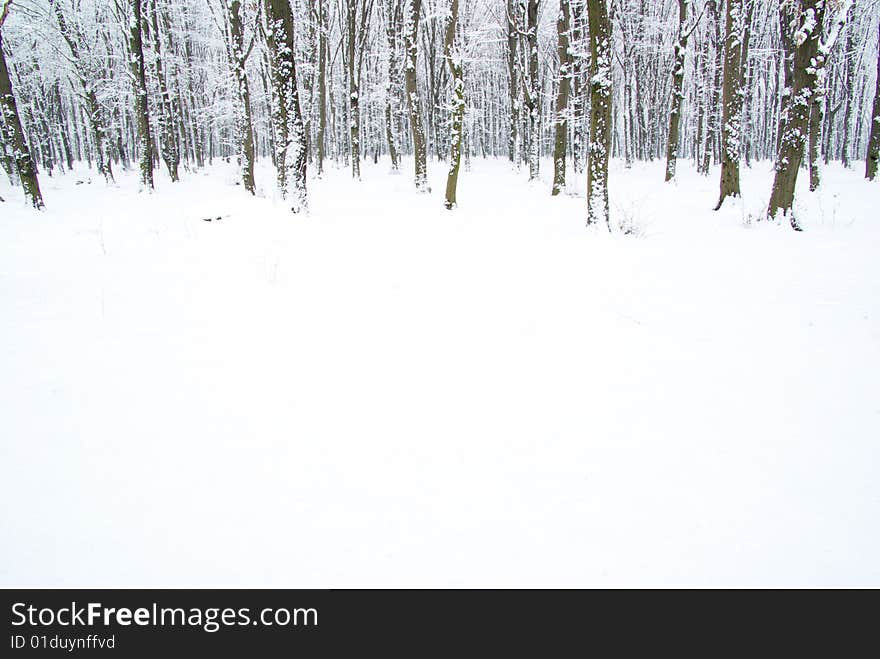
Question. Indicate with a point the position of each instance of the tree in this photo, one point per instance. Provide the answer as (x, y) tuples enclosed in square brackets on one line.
[(167, 115), (677, 84), (731, 136), (139, 81), (85, 72), (290, 149), (600, 113), (393, 19), (560, 138), (874, 141), (810, 56), (238, 55), (532, 89), (512, 28), (411, 36), (27, 172), (454, 59)]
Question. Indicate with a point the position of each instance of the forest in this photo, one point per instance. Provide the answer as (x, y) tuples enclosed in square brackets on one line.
[(163, 85), (439, 293)]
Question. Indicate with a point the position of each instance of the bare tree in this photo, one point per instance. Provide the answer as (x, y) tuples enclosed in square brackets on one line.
[(454, 59), (139, 81), (27, 172), (810, 56), (411, 36), (600, 113), (731, 129), (874, 141), (290, 150), (560, 141)]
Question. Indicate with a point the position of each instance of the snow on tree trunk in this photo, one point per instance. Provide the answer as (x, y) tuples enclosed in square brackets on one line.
[(677, 95), (392, 30), (169, 146), (290, 153), (712, 137), (24, 163), (243, 122), (731, 129), (560, 139), (513, 80), (532, 90), (454, 59), (600, 113), (810, 57), (139, 81), (411, 35), (873, 158), (320, 138)]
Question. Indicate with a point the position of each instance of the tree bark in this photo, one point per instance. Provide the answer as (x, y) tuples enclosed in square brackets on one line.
[(731, 129), (290, 152), (560, 139), (411, 36), (873, 158), (600, 113), (453, 58), (24, 163), (805, 79), (532, 89), (139, 77), (513, 78), (243, 122), (677, 95)]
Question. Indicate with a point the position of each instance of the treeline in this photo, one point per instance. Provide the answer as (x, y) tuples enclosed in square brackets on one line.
[(173, 84)]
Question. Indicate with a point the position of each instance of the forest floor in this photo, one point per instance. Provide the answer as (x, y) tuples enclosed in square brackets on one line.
[(385, 393)]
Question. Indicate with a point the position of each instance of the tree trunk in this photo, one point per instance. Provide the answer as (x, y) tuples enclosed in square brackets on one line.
[(849, 90), (805, 80), (27, 173), (392, 12), (513, 78), (169, 147), (713, 123), (322, 84), (600, 113), (560, 139), (354, 113), (731, 129), (533, 100), (411, 36), (677, 95), (139, 77), (873, 158), (243, 122), (453, 58), (290, 153)]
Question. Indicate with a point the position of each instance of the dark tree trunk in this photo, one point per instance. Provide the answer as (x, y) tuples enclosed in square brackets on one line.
[(731, 130), (677, 95), (560, 139), (290, 152), (139, 76), (411, 38), (600, 113), (24, 163)]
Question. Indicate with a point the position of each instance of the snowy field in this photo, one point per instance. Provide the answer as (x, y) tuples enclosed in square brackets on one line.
[(384, 393)]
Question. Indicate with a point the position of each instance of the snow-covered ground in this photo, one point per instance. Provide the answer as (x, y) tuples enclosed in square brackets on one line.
[(384, 393)]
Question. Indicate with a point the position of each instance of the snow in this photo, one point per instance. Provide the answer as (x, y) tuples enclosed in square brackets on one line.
[(385, 393)]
